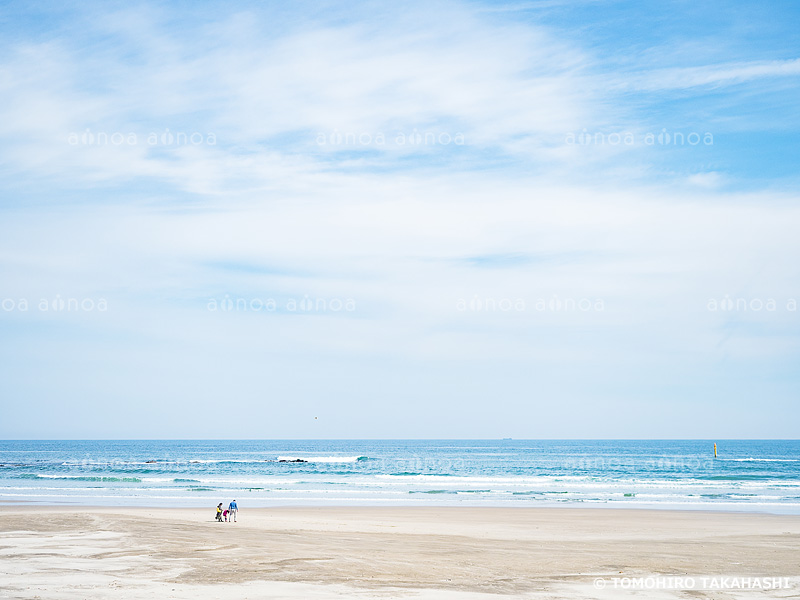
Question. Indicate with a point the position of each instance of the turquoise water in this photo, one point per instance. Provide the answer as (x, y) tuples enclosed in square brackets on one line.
[(747, 475)]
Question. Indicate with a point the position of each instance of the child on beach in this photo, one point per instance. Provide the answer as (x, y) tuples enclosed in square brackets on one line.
[(219, 512), (225, 514)]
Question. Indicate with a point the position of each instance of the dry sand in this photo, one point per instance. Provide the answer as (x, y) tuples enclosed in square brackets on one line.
[(423, 553)]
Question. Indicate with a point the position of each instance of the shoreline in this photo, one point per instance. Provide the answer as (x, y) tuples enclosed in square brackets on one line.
[(600, 507), (694, 507), (421, 552)]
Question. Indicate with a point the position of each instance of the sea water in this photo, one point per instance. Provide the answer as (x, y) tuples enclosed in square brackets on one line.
[(746, 475)]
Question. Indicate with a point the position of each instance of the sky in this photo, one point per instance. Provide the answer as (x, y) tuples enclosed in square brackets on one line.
[(528, 219)]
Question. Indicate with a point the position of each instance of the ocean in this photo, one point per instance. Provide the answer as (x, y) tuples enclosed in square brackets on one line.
[(747, 475)]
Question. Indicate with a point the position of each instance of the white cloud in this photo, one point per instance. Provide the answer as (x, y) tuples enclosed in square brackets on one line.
[(710, 179), (265, 212), (710, 75), (501, 86)]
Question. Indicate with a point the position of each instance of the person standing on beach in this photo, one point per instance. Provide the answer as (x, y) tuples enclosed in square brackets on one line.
[(219, 512), (233, 509)]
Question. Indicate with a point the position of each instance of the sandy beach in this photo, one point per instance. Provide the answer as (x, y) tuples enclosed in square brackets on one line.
[(374, 552)]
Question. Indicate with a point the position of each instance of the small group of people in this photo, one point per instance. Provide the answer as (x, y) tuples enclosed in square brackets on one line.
[(228, 515)]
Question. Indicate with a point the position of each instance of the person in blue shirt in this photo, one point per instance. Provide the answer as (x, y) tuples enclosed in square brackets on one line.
[(233, 510)]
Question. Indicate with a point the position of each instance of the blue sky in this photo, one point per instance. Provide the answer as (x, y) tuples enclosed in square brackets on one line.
[(354, 220)]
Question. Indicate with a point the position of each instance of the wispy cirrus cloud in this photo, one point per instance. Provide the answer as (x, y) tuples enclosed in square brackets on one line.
[(496, 85), (712, 75)]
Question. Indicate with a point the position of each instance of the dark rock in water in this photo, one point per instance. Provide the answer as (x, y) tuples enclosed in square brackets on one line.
[(295, 460), (149, 462)]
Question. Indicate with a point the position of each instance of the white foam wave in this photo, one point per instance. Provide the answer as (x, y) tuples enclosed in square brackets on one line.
[(322, 459), (750, 459)]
